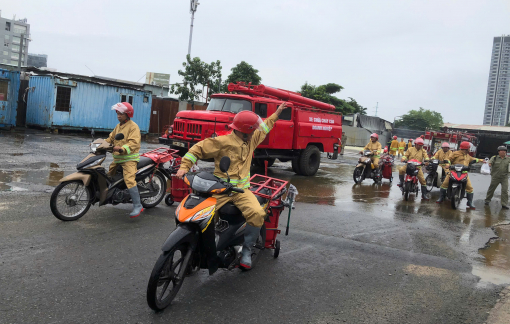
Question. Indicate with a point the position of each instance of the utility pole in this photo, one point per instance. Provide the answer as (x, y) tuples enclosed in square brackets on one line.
[(20, 59), (376, 107), (193, 7)]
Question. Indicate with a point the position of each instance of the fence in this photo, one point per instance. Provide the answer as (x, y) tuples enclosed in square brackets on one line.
[(356, 136)]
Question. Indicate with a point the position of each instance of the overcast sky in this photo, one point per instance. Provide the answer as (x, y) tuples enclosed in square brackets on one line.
[(403, 54)]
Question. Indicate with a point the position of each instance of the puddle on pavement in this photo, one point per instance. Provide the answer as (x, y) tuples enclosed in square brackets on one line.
[(496, 267), (51, 177)]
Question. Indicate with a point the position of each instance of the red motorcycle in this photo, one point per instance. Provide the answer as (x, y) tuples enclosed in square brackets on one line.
[(411, 179)]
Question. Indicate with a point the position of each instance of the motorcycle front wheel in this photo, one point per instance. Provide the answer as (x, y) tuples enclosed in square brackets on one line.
[(456, 198), (430, 181), (407, 190), (167, 276), (70, 200), (357, 175), (159, 182)]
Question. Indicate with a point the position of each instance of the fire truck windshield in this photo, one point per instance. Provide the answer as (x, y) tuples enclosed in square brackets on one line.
[(229, 105)]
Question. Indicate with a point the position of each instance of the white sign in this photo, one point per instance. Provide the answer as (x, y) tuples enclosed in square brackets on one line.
[(321, 121), (320, 127)]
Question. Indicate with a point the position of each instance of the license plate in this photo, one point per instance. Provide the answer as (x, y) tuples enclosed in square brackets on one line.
[(179, 144)]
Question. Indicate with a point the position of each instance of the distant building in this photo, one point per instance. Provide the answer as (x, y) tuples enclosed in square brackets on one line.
[(10, 33), (37, 60), (497, 102)]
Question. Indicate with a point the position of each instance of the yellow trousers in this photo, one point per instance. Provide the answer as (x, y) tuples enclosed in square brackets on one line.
[(247, 203), (420, 175), (400, 152), (128, 171), (469, 187)]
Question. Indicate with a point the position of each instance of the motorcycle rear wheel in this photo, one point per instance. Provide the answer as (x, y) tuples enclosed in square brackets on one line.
[(456, 198), (167, 276), (430, 181), (407, 190), (63, 204), (357, 176), (160, 181)]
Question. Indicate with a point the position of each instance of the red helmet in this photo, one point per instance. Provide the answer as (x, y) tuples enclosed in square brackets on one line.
[(445, 144), (465, 145), (374, 135), (418, 141), (422, 136), (125, 108), (246, 122), (394, 137), (385, 149)]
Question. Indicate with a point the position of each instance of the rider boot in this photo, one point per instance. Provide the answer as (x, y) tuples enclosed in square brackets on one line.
[(251, 233), (424, 193), (401, 184), (470, 201), (137, 205), (442, 195)]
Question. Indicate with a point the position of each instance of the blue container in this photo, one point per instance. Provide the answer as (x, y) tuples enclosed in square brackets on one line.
[(9, 80), (67, 103)]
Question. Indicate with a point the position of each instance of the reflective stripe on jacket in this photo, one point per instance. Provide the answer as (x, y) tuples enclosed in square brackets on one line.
[(394, 145)]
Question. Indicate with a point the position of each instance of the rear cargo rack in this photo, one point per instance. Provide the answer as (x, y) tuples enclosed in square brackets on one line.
[(163, 154), (275, 186)]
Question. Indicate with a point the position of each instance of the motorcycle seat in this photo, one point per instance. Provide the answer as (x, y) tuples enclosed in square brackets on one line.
[(144, 161), (230, 213)]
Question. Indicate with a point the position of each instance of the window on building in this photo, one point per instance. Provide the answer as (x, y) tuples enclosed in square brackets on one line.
[(126, 98), (4, 86), (4, 61), (20, 29), (15, 48), (15, 56), (14, 62), (5, 53), (130, 100), (16, 40), (7, 26), (63, 102), (6, 37)]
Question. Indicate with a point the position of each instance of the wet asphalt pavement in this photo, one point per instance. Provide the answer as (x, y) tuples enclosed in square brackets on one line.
[(355, 253)]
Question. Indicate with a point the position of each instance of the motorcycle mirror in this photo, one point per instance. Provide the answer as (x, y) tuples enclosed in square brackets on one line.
[(119, 137), (224, 164)]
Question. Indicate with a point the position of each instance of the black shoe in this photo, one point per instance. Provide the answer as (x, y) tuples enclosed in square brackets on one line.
[(504, 207)]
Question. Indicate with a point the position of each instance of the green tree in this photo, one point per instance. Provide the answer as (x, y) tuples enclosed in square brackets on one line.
[(325, 93), (421, 119), (195, 76), (242, 72)]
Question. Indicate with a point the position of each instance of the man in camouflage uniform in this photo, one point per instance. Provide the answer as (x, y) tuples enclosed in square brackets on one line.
[(499, 175)]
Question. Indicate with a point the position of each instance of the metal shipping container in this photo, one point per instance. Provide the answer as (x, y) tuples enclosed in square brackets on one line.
[(67, 103), (9, 87)]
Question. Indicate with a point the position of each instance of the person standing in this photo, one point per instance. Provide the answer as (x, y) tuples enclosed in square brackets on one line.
[(401, 147), (499, 175), (409, 144), (394, 146)]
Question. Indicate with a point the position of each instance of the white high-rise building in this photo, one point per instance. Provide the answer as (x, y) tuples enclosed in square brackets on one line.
[(497, 102), (11, 31)]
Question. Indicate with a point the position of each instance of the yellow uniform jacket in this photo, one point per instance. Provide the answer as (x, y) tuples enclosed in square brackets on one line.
[(394, 146), (441, 155), (371, 146), (459, 157), (130, 143), (402, 145), (414, 154)]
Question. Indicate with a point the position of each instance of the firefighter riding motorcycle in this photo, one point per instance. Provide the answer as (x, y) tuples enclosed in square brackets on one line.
[(203, 241), (410, 185), (72, 198), (366, 169)]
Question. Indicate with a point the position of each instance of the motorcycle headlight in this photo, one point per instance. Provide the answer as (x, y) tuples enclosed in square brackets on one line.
[(203, 213), (96, 162)]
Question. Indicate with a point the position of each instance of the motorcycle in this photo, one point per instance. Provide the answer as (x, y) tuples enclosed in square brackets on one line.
[(199, 242), (436, 174), (457, 184), (365, 170), (411, 179), (72, 198)]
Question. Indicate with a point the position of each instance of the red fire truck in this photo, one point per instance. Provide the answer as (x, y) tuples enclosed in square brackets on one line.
[(434, 140), (302, 132)]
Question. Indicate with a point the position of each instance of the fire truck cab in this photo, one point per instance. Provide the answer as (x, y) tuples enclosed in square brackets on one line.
[(434, 140), (304, 130)]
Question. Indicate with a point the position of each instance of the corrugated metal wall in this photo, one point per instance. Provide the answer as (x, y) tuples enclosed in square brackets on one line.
[(8, 108), (356, 136), (90, 105), (40, 100)]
